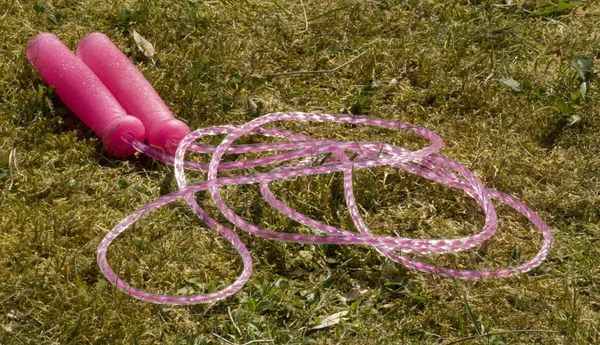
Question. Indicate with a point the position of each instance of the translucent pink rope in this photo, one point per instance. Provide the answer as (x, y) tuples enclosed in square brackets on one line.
[(299, 153)]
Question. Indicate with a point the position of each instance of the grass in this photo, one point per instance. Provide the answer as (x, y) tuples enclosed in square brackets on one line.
[(433, 63)]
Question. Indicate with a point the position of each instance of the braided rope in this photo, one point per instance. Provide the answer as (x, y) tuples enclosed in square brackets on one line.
[(424, 162)]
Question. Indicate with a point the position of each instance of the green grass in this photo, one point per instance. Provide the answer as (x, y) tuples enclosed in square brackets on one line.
[(433, 63)]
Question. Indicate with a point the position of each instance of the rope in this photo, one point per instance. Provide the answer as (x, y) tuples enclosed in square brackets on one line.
[(298, 152)]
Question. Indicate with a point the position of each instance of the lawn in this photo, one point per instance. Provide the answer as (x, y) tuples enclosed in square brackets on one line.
[(506, 83)]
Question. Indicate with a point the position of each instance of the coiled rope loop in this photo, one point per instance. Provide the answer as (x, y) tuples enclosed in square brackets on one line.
[(297, 152)]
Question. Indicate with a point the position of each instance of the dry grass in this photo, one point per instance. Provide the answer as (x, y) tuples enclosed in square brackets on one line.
[(432, 63)]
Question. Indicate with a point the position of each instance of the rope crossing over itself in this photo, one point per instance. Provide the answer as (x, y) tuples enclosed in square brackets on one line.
[(298, 151)]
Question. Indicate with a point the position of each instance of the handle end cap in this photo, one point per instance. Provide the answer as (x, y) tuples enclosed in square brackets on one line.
[(119, 133), (166, 135)]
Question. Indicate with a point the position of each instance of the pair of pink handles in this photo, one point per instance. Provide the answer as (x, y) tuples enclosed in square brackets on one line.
[(107, 92)]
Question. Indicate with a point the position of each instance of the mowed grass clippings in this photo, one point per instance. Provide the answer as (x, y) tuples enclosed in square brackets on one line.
[(437, 64)]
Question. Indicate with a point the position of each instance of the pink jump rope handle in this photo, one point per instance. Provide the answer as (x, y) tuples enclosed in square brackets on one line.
[(133, 91), (81, 90)]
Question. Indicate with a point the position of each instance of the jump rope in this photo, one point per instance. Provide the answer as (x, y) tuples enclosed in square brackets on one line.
[(112, 97)]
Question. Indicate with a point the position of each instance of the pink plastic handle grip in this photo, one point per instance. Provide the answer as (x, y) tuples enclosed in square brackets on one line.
[(133, 91), (81, 90)]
